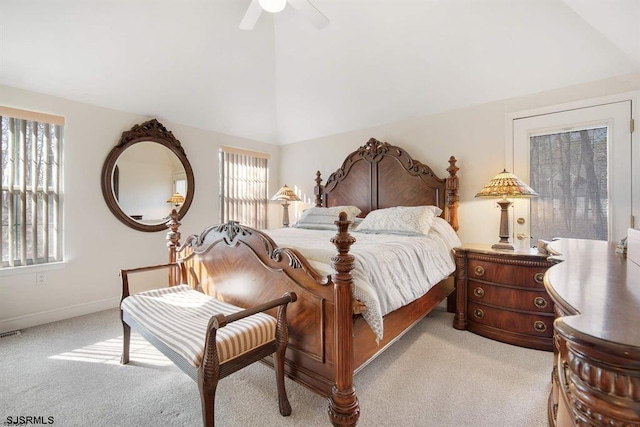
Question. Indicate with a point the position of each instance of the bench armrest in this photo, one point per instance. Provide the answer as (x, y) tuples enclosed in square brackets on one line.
[(222, 320), (124, 274), (210, 365)]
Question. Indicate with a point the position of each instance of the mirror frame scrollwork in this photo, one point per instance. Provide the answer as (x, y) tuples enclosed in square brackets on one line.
[(149, 131)]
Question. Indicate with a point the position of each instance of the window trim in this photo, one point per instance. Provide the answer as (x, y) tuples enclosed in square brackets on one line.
[(31, 115), (243, 152), (632, 96), (33, 268)]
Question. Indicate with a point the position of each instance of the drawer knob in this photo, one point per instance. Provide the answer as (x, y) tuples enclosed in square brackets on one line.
[(540, 302), (539, 326), (539, 278), (479, 292), (478, 313), (479, 270)]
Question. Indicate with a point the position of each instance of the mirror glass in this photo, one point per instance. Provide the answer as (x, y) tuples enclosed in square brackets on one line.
[(146, 176)]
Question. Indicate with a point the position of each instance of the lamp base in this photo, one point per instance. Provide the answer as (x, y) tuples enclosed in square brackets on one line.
[(285, 214), (503, 246)]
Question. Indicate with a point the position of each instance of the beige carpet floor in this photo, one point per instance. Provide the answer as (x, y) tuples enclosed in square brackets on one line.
[(433, 376)]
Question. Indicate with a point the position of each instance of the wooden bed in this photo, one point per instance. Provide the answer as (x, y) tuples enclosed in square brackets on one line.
[(328, 341)]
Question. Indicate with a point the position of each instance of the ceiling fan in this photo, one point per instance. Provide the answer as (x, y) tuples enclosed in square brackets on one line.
[(274, 6)]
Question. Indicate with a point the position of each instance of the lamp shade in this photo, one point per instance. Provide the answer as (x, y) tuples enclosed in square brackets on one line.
[(506, 184), (285, 193), (176, 199)]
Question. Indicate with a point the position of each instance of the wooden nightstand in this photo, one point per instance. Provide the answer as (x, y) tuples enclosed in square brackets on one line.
[(501, 295)]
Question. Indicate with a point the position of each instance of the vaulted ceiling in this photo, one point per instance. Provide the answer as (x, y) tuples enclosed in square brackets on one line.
[(377, 61)]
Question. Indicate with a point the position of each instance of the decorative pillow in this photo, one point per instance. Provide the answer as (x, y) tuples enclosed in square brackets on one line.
[(405, 220), (355, 223), (323, 218)]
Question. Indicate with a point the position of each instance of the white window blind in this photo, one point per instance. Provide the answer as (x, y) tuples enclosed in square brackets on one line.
[(243, 187), (569, 171), (31, 227)]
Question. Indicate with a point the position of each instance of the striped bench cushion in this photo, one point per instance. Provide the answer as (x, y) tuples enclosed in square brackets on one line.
[(178, 316)]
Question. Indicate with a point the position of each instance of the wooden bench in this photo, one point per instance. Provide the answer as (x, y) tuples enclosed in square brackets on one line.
[(206, 338)]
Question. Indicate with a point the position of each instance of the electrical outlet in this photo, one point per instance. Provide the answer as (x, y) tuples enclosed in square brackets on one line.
[(41, 278)]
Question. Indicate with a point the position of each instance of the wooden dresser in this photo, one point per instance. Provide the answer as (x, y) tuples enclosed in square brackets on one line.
[(501, 295), (596, 372)]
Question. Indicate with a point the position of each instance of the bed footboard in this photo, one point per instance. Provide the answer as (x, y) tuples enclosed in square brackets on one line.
[(243, 266)]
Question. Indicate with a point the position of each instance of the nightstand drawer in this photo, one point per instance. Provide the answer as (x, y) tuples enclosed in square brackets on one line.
[(531, 324), (527, 300), (501, 295), (530, 277)]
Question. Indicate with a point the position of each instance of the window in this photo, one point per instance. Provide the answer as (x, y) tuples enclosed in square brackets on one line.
[(244, 176), (579, 160), (31, 231), (180, 183), (569, 172)]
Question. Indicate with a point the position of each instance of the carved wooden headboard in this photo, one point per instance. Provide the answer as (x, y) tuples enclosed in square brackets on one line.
[(379, 175)]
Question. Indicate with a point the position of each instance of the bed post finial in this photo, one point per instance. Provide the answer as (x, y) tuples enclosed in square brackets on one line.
[(452, 193), (318, 190), (344, 409), (173, 241)]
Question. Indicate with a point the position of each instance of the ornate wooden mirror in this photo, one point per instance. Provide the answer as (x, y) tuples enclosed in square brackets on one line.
[(145, 176)]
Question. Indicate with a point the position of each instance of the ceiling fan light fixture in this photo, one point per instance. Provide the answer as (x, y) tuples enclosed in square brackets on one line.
[(273, 6)]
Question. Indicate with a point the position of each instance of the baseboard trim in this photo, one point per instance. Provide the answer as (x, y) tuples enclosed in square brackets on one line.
[(48, 316)]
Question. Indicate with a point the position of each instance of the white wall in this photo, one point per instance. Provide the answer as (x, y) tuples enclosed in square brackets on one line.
[(475, 136), (96, 244)]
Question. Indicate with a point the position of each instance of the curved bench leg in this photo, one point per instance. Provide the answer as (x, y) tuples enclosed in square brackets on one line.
[(283, 400), (126, 338), (208, 399), (282, 339)]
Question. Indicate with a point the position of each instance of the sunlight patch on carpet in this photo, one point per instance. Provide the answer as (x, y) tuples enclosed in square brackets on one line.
[(109, 352)]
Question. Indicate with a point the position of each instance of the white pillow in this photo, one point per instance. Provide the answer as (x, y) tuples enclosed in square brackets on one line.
[(324, 218), (405, 220), (355, 223)]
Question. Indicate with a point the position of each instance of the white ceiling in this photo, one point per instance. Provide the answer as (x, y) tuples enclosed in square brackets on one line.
[(378, 61)]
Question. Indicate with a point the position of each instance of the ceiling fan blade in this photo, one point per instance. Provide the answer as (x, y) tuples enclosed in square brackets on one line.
[(311, 12), (251, 16)]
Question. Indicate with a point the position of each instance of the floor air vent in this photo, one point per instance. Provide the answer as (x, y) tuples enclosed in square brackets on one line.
[(9, 334)]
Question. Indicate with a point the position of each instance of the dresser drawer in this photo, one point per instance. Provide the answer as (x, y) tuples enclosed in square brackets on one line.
[(531, 324), (530, 277), (527, 300)]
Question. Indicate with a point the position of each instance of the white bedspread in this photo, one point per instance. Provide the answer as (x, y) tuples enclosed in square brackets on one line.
[(390, 270)]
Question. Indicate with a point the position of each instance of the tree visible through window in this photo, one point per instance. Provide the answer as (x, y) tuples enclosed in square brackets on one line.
[(569, 172), (30, 181), (244, 178)]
